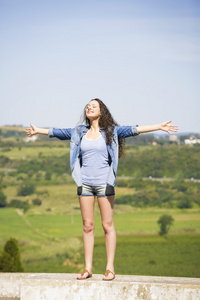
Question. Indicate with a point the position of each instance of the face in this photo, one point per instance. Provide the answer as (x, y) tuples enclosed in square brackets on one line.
[(93, 110)]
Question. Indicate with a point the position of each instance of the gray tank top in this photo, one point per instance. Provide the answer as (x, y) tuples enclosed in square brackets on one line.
[(95, 161)]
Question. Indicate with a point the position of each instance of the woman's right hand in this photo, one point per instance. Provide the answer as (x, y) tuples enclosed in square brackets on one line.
[(31, 131)]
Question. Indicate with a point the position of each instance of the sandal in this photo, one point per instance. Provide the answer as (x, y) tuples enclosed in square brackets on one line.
[(88, 276), (106, 274)]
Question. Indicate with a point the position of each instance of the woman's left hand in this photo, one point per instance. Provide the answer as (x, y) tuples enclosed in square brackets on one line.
[(166, 126)]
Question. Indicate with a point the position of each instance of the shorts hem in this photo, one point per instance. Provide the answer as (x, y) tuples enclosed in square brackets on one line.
[(99, 196), (105, 195), (98, 191)]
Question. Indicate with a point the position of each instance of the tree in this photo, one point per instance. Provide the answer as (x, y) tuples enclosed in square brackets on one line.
[(36, 201), (184, 202), (165, 222), (10, 260), (26, 189), (48, 176), (20, 204), (2, 199)]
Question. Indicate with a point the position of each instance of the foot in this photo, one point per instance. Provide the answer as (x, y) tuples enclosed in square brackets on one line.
[(109, 275), (85, 274)]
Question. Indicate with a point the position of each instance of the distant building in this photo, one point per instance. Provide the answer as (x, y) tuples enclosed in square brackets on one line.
[(192, 140), (32, 138), (154, 143), (173, 138)]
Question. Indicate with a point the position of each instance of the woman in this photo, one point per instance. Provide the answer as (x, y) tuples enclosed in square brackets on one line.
[(94, 151)]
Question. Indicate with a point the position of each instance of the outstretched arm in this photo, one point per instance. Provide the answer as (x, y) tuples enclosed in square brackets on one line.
[(165, 126), (35, 130), (61, 134)]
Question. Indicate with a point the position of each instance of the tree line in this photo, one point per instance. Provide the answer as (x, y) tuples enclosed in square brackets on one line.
[(166, 161)]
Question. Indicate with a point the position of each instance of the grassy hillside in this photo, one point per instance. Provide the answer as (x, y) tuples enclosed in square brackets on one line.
[(52, 242), (152, 181)]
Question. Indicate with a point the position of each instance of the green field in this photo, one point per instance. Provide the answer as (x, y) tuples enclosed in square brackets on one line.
[(32, 153), (53, 243), (50, 235), (175, 255)]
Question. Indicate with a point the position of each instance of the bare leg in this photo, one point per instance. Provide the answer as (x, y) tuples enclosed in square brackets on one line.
[(106, 205), (87, 212)]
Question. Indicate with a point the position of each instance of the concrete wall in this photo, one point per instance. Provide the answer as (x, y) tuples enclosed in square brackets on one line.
[(28, 286)]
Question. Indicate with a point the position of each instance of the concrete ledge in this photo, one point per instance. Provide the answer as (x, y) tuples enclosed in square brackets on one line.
[(33, 286)]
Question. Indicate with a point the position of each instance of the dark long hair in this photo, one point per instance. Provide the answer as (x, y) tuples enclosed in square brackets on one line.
[(107, 123)]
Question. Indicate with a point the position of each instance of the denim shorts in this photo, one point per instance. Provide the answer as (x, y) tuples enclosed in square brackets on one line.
[(99, 191)]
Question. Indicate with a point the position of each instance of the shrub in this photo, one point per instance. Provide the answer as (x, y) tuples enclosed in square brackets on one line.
[(126, 199), (185, 203), (48, 176), (180, 185), (4, 160), (26, 189), (19, 204), (30, 173), (165, 222), (37, 201), (2, 199), (10, 260)]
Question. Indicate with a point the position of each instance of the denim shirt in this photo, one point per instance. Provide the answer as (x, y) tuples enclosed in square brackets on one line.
[(75, 135)]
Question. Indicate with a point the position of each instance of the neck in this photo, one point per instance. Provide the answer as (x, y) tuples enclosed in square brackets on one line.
[(94, 125)]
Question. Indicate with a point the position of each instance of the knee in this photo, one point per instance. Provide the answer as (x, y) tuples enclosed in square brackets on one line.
[(88, 226), (108, 227)]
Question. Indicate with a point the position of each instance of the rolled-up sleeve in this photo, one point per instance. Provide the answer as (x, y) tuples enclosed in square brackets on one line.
[(61, 134), (134, 130), (50, 133), (126, 131)]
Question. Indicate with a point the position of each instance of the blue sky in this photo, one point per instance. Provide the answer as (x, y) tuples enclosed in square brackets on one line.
[(140, 57)]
